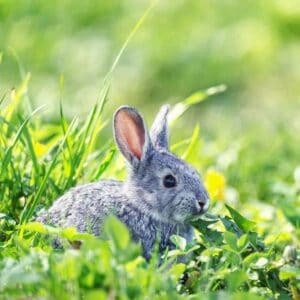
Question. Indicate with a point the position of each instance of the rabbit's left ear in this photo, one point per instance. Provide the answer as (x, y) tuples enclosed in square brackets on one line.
[(159, 131), (131, 135)]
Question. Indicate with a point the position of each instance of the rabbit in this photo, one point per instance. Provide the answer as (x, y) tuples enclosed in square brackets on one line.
[(161, 195)]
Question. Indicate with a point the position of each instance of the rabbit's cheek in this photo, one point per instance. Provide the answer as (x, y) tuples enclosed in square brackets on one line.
[(184, 207), (195, 210), (179, 217)]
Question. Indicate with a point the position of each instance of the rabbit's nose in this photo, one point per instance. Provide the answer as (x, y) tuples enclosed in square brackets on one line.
[(203, 204)]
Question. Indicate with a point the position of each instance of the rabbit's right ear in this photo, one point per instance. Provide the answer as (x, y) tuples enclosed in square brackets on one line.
[(131, 135), (159, 130)]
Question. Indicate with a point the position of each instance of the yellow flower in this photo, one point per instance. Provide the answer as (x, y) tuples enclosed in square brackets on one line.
[(215, 183), (40, 149)]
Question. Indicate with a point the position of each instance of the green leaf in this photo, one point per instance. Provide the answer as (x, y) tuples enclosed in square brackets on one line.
[(117, 232), (231, 240), (72, 234), (232, 257), (179, 242), (95, 294), (210, 236), (175, 253), (177, 270), (256, 241), (242, 242), (235, 279), (255, 260), (261, 263), (243, 223), (210, 253), (231, 226), (36, 227), (292, 213), (289, 272)]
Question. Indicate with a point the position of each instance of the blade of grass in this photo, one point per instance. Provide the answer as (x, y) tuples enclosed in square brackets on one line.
[(180, 108), (90, 126), (94, 120), (64, 126), (8, 152), (131, 34), (23, 77), (106, 162), (107, 78), (30, 205), (92, 129), (16, 96), (180, 144), (2, 98), (93, 123), (192, 143), (32, 153), (8, 124), (63, 121)]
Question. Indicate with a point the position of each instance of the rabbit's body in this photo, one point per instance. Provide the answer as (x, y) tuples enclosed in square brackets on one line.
[(80, 208), (161, 195)]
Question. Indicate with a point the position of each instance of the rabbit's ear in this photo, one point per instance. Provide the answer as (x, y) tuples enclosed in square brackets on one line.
[(159, 130), (131, 135)]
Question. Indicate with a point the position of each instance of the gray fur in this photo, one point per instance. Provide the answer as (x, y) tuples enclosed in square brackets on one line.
[(159, 130), (142, 202)]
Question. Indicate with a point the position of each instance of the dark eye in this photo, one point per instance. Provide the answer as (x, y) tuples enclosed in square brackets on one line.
[(169, 181)]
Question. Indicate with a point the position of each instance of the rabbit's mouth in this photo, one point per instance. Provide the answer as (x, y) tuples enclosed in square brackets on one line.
[(195, 217), (199, 211)]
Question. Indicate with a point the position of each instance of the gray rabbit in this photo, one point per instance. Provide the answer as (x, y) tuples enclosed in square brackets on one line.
[(161, 195)]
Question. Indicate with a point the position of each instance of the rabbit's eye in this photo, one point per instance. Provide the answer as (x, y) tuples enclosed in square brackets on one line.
[(169, 181)]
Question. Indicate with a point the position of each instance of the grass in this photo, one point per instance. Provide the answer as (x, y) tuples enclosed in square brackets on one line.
[(244, 248), (231, 257)]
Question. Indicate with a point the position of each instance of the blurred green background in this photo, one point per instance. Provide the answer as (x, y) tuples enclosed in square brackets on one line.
[(251, 46)]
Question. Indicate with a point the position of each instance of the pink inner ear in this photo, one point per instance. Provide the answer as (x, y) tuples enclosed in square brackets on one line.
[(131, 132)]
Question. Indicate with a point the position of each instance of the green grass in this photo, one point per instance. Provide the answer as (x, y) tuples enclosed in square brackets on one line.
[(247, 247), (231, 256)]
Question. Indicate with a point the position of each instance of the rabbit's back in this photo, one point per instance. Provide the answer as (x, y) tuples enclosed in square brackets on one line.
[(85, 207)]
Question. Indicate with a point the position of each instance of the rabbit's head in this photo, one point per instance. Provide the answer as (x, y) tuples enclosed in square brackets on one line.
[(159, 182)]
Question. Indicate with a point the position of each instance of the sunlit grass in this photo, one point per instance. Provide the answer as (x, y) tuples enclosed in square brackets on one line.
[(244, 248), (41, 160)]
